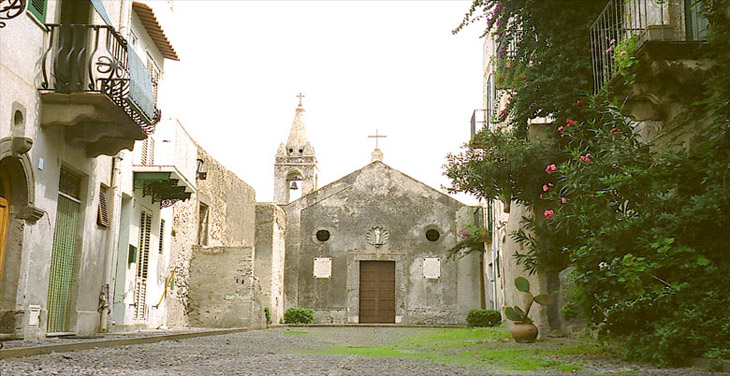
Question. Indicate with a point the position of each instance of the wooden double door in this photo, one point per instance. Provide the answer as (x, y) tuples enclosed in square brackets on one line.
[(377, 291)]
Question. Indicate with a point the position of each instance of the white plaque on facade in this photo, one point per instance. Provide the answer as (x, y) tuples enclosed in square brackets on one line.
[(432, 268), (322, 267)]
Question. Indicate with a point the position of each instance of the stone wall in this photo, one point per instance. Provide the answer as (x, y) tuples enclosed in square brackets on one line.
[(224, 293), (231, 223), (269, 260)]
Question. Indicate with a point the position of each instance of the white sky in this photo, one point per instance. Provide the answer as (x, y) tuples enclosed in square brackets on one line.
[(362, 65)]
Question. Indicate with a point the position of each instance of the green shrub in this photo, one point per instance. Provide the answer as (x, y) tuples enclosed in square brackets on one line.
[(299, 315), (483, 317), (267, 314)]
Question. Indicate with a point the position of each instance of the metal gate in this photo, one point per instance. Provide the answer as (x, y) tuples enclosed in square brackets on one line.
[(63, 263), (143, 259), (377, 292)]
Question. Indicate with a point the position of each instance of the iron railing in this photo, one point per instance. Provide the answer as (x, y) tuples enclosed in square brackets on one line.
[(479, 116), (667, 20), (10, 10), (97, 59)]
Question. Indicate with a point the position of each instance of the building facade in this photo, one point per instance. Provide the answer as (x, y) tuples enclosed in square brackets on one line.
[(371, 248), (74, 93)]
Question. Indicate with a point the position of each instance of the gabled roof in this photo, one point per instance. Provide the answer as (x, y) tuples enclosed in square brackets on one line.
[(149, 20), (351, 177)]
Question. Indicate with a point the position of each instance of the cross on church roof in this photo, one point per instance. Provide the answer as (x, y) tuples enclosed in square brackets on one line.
[(376, 137), (300, 96)]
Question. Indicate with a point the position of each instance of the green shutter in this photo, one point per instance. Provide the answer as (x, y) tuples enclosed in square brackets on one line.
[(63, 260), (38, 8)]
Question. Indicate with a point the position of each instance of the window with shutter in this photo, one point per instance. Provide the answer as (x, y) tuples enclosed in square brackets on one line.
[(162, 234), (102, 218), (38, 9), (143, 258), (148, 152)]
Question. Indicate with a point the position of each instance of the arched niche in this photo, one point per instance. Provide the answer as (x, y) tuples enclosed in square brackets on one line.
[(293, 177)]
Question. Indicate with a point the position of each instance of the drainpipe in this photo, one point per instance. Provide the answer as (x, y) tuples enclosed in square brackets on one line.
[(110, 256)]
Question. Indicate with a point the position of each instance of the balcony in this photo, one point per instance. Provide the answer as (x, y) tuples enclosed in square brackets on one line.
[(508, 70), (478, 117), (165, 164), (666, 32), (96, 86)]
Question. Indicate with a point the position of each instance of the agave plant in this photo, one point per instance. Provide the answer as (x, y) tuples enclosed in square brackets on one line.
[(516, 313)]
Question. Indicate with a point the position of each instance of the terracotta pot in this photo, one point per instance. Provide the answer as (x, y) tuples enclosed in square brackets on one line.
[(524, 332), (506, 206)]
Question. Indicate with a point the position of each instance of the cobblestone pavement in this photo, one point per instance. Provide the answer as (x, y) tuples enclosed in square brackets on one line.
[(281, 351)]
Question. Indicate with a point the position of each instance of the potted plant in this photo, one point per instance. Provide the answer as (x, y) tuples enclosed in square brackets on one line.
[(523, 329)]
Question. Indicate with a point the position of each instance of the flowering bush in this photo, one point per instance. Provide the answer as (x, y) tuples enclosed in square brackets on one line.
[(500, 165), (469, 240)]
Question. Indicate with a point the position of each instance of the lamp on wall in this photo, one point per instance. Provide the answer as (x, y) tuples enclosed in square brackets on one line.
[(201, 172)]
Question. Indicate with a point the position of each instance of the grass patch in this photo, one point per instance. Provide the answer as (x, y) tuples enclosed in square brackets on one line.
[(295, 332), (491, 348), (569, 368)]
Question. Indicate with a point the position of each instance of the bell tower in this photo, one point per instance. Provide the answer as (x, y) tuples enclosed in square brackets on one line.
[(295, 168)]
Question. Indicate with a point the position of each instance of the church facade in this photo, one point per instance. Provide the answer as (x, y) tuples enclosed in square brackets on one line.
[(371, 246)]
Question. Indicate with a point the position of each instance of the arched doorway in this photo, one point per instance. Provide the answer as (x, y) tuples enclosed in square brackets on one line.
[(16, 193)]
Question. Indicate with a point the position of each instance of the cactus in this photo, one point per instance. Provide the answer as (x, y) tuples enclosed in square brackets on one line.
[(516, 313)]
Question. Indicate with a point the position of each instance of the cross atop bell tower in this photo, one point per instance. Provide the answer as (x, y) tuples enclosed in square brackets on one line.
[(295, 168)]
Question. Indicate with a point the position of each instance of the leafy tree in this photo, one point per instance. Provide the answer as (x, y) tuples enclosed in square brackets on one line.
[(644, 225)]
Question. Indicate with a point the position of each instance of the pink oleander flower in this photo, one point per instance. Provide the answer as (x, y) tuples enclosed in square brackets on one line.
[(570, 122), (456, 245), (614, 131), (463, 233), (578, 102), (549, 214), (562, 135), (623, 53), (608, 50), (545, 188), (564, 200), (550, 168), (612, 41), (542, 196), (586, 158), (560, 128), (550, 184)]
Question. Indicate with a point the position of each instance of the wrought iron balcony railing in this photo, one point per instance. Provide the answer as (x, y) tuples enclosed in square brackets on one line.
[(97, 59), (646, 20)]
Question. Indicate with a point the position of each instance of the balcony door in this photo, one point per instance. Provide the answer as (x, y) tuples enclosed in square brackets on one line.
[(73, 53)]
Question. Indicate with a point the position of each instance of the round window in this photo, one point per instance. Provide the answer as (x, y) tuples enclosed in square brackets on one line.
[(433, 235), (323, 235)]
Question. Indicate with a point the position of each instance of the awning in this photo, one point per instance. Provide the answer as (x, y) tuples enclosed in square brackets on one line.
[(164, 184)]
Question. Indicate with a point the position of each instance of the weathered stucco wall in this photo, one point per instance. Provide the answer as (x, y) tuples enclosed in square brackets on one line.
[(269, 260), (223, 290), (378, 195), (231, 223)]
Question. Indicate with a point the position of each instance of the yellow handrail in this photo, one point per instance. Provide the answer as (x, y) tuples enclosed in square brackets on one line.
[(167, 284)]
